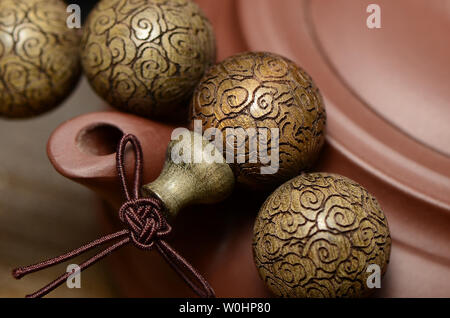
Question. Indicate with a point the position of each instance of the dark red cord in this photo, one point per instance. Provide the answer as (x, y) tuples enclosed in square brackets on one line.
[(146, 228)]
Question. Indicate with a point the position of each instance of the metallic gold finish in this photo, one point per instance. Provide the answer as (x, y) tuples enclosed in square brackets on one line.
[(254, 90), (316, 235), (39, 56), (147, 56), (183, 183)]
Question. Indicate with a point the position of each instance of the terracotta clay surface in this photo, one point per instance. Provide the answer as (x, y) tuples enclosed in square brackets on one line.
[(83, 149), (385, 130)]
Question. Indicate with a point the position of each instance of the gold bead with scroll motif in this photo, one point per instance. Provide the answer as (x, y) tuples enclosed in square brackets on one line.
[(146, 57), (321, 235), (266, 100), (39, 57)]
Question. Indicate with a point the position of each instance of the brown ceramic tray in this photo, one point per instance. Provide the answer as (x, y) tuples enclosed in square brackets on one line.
[(387, 99)]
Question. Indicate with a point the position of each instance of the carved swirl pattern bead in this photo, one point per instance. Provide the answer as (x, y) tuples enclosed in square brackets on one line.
[(39, 58), (263, 90), (147, 56), (316, 235)]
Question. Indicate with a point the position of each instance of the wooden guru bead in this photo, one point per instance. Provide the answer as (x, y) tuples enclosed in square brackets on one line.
[(316, 236), (146, 57), (183, 182), (263, 90), (39, 57)]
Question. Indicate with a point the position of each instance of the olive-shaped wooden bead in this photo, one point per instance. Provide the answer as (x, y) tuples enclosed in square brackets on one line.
[(263, 91), (321, 235), (146, 57), (39, 56)]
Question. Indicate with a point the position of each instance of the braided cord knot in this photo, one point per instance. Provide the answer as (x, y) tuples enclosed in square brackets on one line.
[(145, 227), (144, 220)]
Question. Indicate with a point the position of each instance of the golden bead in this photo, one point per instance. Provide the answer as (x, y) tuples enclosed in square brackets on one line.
[(39, 56), (264, 90), (316, 235), (146, 57)]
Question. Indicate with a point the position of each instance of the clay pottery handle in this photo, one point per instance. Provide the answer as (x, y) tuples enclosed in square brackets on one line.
[(83, 149)]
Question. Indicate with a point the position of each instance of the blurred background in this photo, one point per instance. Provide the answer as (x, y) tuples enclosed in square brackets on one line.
[(42, 213)]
